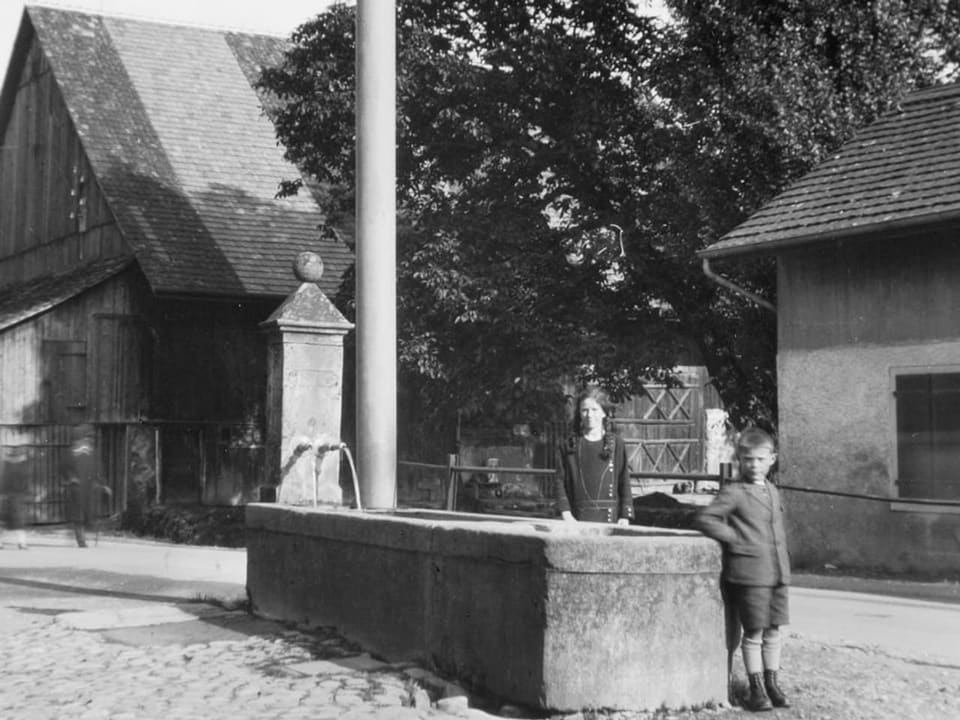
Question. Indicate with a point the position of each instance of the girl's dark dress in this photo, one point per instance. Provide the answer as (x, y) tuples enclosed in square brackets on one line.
[(593, 479)]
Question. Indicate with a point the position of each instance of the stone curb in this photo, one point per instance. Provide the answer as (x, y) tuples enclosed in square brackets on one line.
[(944, 591)]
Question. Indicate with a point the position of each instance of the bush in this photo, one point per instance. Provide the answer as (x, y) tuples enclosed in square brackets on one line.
[(189, 525)]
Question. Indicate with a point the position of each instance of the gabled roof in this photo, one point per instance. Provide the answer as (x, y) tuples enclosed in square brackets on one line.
[(23, 302), (900, 172), (181, 149)]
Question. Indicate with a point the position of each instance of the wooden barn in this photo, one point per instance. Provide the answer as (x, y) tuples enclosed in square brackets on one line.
[(868, 255), (141, 244)]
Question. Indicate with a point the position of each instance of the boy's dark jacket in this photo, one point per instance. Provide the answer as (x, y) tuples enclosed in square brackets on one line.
[(748, 520)]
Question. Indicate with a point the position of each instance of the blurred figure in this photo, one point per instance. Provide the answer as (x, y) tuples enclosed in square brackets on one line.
[(15, 468), (81, 473)]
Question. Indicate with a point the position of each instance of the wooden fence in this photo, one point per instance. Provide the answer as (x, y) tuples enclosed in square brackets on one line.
[(46, 448), (178, 463), (487, 492)]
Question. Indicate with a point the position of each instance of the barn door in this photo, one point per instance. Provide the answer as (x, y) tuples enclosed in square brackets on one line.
[(662, 429)]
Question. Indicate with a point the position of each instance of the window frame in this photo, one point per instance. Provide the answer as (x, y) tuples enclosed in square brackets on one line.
[(898, 504)]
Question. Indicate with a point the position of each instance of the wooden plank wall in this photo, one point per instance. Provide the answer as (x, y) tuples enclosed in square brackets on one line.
[(26, 391), (46, 448), (53, 215), (870, 292)]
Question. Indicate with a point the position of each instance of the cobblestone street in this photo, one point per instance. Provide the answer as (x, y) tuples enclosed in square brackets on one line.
[(90, 643), (234, 668)]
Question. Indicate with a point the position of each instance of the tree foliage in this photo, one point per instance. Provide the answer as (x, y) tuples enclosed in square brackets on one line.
[(535, 139)]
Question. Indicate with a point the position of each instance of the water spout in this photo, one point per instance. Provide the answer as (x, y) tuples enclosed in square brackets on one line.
[(342, 447), (353, 472)]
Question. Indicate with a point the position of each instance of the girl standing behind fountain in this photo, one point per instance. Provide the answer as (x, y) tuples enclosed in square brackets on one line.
[(593, 478)]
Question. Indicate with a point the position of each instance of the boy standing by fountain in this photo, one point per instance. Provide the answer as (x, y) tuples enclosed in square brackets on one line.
[(747, 519)]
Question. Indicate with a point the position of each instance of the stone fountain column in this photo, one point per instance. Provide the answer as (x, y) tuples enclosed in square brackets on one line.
[(304, 391)]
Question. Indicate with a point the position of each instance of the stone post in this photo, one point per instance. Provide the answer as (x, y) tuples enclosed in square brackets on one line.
[(718, 445), (304, 391)]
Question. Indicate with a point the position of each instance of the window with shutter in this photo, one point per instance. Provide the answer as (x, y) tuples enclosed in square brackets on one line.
[(928, 435)]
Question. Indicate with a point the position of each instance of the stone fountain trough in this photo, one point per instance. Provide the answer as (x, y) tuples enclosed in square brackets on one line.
[(540, 613)]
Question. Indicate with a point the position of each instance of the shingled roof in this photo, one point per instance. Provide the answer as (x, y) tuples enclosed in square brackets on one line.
[(41, 294), (900, 172), (180, 146)]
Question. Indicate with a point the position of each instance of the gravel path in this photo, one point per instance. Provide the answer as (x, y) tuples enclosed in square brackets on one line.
[(841, 682)]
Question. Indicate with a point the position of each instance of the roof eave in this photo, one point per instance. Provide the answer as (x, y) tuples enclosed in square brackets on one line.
[(110, 269), (888, 227)]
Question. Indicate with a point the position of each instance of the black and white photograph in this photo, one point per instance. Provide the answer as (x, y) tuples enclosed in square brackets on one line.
[(479, 359)]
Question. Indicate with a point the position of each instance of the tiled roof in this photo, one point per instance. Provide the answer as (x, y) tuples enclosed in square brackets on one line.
[(901, 171), (37, 296), (188, 162)]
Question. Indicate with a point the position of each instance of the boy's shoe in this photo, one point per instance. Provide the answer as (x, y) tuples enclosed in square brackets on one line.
[(773, 689), (757, 700)]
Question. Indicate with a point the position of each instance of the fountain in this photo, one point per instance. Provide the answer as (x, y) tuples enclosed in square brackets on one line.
[(540, 613)]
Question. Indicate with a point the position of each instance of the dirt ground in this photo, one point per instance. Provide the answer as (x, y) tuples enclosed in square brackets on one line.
[(839, 682)]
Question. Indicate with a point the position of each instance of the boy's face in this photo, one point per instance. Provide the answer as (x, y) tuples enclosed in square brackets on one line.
[(755, 462)]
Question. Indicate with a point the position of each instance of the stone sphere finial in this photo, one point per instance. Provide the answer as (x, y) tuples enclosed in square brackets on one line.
[(308, 267)]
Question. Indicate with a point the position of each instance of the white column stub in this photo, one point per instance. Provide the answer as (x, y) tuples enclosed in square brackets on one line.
[(376, 253)]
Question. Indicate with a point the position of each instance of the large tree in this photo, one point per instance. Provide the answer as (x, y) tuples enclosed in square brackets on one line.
[(757, 93), (560, 162)]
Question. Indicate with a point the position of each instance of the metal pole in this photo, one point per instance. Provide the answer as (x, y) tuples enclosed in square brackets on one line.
[(126, 468), (376, 253), (453, 478), (157, 462)]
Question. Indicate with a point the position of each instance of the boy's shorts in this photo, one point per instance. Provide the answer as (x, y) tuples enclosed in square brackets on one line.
[(759, 607)]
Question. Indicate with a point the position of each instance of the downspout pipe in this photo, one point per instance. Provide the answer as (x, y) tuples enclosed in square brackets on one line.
[(720, 280)]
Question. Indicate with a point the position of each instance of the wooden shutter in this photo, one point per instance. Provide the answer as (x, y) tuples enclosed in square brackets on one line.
[(65, 378), (928, 435)]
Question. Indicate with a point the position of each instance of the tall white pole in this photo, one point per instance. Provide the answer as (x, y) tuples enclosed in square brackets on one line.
[(376, 253)]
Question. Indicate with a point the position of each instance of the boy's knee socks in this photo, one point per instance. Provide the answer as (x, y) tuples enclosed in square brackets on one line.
[(751, 649), (772, 643)]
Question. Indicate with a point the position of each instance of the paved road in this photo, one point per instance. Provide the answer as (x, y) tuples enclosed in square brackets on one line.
[(901, 627)]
